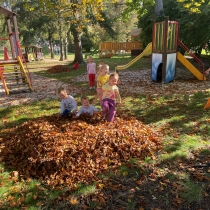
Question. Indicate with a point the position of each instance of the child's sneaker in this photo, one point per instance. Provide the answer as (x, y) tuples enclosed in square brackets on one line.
[(104, 117), (105, 114)]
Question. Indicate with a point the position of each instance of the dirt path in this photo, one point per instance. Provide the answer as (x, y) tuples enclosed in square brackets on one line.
[(44, 88), (132, 82)]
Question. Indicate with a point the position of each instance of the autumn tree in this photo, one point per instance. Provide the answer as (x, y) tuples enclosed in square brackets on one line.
[(114, 28), (194, 22), (74, 13), (193, 17)]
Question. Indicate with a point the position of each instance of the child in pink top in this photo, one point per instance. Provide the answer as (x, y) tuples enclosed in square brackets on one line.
[(91, 69), (207, 71), (109, 91)]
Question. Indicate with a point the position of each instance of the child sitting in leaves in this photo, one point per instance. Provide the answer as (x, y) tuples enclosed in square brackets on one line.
[(68, 103), (86, 108), (109, 91)]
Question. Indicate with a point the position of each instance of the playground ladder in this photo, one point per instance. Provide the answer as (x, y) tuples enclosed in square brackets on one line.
[(14, 77), (200, 63), (24, 60)]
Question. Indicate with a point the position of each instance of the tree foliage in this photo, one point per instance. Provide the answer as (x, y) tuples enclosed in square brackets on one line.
[(194, 22), (34, 27), (75, 16), (106, 20), (193, 16)]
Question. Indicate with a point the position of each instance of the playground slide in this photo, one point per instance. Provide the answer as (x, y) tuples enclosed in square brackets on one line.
[(146, 52), (190, 67)]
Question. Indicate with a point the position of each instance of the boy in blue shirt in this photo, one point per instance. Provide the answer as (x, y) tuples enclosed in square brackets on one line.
[(68, 103), (86, 107)]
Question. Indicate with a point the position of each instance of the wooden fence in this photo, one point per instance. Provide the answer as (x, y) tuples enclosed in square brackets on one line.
[(108, 49)]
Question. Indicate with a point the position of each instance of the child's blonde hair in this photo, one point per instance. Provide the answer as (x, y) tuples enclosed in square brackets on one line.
[(114, 75), (105, 66)]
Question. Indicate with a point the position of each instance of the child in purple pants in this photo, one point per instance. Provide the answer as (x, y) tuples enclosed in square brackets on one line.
[(109, 91)]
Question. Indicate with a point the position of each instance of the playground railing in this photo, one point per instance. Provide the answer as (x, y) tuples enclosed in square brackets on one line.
[(200, 63), (24, 60)]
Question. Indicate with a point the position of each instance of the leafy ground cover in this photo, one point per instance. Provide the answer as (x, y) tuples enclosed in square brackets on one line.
[(171, 172), (76, 151)]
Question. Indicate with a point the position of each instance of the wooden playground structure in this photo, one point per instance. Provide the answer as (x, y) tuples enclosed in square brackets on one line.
[(32, 53), (164, 50), (108, 49), (12, 70), (165, 53)]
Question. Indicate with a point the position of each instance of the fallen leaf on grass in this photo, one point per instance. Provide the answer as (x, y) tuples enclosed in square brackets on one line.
[(73, 201)]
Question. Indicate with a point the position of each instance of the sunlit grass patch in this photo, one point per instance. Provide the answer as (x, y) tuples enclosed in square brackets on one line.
[(16, 115), (63, 76), (181, 147), (83, 189)]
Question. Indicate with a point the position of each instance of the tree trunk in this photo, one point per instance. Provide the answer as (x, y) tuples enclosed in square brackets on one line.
[(65, 47), (50, 43), (78, 57), (61, 49), (60, 37), (51, 49)]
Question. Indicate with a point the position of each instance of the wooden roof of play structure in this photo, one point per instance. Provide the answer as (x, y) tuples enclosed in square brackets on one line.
[(7, 13)]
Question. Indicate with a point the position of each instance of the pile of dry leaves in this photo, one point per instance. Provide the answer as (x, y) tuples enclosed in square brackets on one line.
[(59, 69), (69, 151)]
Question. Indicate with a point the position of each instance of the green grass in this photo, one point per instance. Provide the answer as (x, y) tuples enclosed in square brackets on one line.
[(179, 118), (64, 76), (173, 147), (191, 191), (16, 115), (40, 67)]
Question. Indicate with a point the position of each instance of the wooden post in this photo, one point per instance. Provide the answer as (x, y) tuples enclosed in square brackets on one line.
[(11, 38), (16, 27), (176, 43), (16, 34), (164, 60)]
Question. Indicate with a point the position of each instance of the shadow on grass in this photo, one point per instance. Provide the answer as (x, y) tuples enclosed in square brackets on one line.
[(184, 114), (4, 112)]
